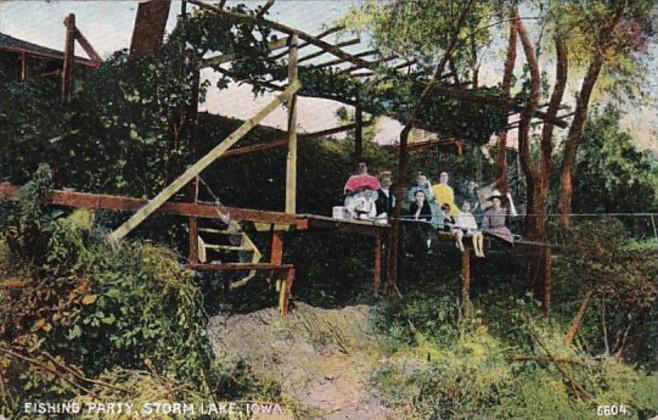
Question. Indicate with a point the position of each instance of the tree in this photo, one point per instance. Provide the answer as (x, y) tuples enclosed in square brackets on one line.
[(607, 33), (612, 175)]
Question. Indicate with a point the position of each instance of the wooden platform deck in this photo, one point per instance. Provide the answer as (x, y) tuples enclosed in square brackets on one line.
[(379, 232)]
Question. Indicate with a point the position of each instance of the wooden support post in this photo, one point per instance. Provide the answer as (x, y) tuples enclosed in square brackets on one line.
[(394, 237), (23, 67), (276, 255), (290, 278), (199, 166), (466, 274), (358, 133), (69, 56), (378, 264), (193, 256), (291, 162), (548, 279), (86, 45)]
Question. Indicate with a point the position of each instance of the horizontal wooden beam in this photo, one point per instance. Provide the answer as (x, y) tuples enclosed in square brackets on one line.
[(282, 142), (306, 44), (265, 84), (241, 17), (349, 42), (49, 56), (340, 60), (424, 145), (226, 58), (350, 226), (122, 203)]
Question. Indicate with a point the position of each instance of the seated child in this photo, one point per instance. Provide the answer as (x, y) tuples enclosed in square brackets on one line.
[(362, 206), (465, 225)]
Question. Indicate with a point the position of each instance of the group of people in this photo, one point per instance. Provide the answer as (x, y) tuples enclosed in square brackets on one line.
[(481, 211)]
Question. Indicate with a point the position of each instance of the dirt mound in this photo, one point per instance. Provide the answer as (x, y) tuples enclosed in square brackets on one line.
[(323, 359)]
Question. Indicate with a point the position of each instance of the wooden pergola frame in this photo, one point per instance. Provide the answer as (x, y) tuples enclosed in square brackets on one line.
[(161, 203)]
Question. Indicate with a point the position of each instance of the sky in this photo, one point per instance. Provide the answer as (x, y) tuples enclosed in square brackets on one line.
[(108, 26)]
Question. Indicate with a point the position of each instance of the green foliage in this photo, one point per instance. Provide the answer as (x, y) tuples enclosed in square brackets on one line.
[(94, 307), (463, 369), (597, 254), (126, 128), (28, 224), (422, 29), (612, 175)]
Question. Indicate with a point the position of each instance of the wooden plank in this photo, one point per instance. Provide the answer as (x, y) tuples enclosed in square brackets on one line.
[(284, 141), (291, 160), (276, 253), (241, 17), (347, 43), (200, 165), (378, 264), (340, 60), (290, 278), (200, 210), (86, 45), (348, 226), (193, 241), (23, 67), (46, 55), (69, 54), (226, 58), (227, 247), (306, 44)]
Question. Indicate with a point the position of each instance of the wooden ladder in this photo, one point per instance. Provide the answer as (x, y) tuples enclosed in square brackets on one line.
[(246, 245)]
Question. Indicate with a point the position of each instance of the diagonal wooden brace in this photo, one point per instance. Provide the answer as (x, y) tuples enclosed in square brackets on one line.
[(200, 165)]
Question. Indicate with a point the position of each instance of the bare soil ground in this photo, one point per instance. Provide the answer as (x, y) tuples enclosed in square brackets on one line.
[(323, 359)]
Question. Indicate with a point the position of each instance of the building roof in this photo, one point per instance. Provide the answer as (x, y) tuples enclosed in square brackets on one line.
[(11, 44)]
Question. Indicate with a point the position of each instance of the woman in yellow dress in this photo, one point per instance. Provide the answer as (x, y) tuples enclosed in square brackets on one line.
[(444, 194)]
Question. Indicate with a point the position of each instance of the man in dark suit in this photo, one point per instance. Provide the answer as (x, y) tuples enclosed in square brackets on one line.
[(385, 197)]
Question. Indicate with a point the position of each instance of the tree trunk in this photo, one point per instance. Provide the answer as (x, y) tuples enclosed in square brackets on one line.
[(501, 156), (394, 242), (578, 320), (573, 138), (149, 28), (534, 218), (580, 117)]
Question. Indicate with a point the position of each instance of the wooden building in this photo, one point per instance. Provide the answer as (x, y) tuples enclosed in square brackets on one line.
[(22, 60)]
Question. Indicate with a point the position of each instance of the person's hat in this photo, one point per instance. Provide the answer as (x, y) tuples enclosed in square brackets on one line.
[(496, 194)]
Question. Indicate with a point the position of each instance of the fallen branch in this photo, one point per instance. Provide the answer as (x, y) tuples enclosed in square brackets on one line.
[(82, 377), (577, 389), (48, 369)]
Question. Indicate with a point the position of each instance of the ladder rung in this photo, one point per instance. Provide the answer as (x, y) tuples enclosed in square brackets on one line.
[(218, 231), (228, 247)]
